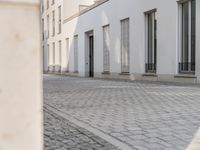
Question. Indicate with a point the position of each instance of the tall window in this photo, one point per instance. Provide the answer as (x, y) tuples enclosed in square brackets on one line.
[(47, 4), (53, 23), (48, 54), (76, 53), (54, 48), (53, 1), (43, 36), (151, 59), (187, 36), (67, 53), (106, 48), (125, 46), (47, 26), (42, 6), (59, 20), (60, 53)]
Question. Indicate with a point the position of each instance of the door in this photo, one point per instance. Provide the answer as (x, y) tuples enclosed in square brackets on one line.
[(91, 56)]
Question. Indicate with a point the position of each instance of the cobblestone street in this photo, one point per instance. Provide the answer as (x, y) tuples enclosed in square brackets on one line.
[(82, 113)]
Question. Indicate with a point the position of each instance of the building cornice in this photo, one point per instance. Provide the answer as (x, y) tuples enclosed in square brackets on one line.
[(85, 10)]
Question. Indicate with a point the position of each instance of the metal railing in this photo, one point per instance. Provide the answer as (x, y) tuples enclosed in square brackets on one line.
[(187, 68), (150, 68)]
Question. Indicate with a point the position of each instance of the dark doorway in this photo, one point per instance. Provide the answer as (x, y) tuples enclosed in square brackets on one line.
[(91, 56)]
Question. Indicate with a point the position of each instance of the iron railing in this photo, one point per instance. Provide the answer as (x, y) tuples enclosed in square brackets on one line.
[(150, 68), (186, 67)]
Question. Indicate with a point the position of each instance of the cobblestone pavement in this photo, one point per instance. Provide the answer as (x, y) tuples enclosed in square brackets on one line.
[(60, 134), (145, 116)]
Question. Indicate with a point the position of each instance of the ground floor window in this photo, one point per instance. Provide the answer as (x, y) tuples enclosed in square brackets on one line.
[(151, 36), (67, 54), (54, 48), (76, 53), (125, 45), (187, 15), (106, 48), (60, 53)]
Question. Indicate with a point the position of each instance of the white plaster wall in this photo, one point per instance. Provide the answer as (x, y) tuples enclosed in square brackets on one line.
[(111, 13), (57, 37), (72, 6), (20, 77)]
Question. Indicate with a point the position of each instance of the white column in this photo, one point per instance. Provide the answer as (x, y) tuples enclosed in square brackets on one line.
[(20, 77)]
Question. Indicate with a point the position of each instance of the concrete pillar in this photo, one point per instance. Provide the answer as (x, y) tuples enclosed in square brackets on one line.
[(198, 40), (20, 76)]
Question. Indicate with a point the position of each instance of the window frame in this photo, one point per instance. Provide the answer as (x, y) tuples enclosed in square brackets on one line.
[(151, 63), (106, 49), (125, 69), (189, 66)]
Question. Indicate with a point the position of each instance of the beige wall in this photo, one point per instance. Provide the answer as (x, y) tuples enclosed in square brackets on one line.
[(20, 77)]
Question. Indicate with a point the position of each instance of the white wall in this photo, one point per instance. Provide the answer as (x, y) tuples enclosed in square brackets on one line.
[(20, 77), (72, 6), (111, 13)]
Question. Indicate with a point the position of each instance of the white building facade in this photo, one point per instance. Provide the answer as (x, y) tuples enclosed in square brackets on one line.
[(124, 39)]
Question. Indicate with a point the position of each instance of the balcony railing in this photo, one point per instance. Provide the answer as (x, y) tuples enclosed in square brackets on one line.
[(187, 68), (151, 68)]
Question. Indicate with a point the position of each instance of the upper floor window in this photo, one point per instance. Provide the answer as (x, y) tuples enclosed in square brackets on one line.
[(53, 23), (53, 2), (43, 36), (59, 20), (47, 4), (187, 40), (47, 26)]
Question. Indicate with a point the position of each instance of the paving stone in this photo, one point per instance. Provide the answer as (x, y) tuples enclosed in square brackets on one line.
[(60, 134), (166, 114)]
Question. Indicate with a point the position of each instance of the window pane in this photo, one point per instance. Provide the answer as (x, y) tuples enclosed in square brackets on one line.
[(75, 53), (193, 26), (106, 48), (185, 32), (125, 45)]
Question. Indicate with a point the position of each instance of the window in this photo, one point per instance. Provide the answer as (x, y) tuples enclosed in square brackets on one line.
[(151, 36), (187, 36), (76, 53), (54, 53), (53, 1), (47, 4), (53, 23), (60, 53), (43, 36), (48, 55), (67, 53), (106, 48), (125, 46), (42, 6), (47, 26), (59, 20)]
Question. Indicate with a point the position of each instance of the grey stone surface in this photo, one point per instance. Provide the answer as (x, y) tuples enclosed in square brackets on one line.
[(142, 115), (60, 134)]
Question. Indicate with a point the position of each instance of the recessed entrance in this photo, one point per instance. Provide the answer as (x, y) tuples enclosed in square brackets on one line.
[(89, 54)]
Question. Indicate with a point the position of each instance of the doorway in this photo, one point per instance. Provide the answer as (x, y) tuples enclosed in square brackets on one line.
[(91, 55)]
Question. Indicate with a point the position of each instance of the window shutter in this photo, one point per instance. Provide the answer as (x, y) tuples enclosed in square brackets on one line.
[(76, 53), (125, 45), (106, 48)]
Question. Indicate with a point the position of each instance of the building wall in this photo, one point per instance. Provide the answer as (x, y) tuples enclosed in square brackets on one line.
[(20, 79), (49, 40), (111, 12)]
